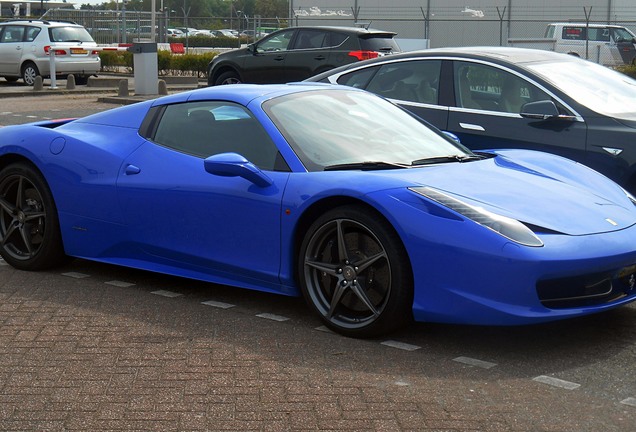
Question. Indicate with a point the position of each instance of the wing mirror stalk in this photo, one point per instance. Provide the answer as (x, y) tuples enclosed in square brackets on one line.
[(235, 165)]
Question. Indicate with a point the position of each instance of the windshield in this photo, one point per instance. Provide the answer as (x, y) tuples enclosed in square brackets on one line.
[(597, 87), (336, 127), (70, 34)]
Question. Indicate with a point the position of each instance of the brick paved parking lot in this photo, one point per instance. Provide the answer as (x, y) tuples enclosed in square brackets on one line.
[(93, 347), (96, 347)]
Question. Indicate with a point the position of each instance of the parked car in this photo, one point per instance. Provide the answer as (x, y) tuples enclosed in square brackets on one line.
[(25, 46), (174, 32), (494, 97), (227, 33), (610, 45), (296, 53), (325, 191)]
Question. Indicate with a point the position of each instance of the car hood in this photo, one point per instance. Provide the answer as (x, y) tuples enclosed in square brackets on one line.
[(540, 190)]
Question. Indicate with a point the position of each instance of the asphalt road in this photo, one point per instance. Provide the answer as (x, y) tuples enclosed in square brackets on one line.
[(97, 347)]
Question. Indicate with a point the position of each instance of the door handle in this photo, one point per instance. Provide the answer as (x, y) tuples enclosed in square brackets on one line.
[(471, 126), (132, 170), (279, 58), (319, 57)]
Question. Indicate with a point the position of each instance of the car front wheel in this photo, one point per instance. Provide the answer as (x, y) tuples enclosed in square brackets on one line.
[(30, 236), (354, 271), (29, 72)]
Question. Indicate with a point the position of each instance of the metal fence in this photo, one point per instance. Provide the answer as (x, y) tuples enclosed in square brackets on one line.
[(439, 26), (125, 26)]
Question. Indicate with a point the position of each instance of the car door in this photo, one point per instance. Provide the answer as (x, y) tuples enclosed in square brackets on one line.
[(267, 62), (308, 55), (183, 216), (413, 84), (488, 103), (11, 48)]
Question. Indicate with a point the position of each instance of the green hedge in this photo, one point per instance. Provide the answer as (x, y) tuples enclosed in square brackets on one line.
[(167, 63), (210, 42), (627, 70)]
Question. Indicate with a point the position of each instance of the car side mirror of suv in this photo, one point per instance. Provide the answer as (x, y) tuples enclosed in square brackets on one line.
[(251, 48)]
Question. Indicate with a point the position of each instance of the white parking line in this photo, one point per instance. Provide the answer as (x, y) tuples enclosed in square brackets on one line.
[(164, 293), (556, 382), (324, 329), (217, 304), (76, 275), (474, 362), (120, 284), (272, 317), (400, 345)]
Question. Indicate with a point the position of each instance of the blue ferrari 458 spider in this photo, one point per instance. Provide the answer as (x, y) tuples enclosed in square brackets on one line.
[(328, 192)]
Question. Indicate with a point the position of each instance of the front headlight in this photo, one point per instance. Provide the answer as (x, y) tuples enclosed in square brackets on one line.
[(509, 228)]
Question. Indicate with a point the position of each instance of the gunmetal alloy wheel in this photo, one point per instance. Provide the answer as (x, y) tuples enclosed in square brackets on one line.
[(29, 72), (228, 78), (355, 273), (29, 228)]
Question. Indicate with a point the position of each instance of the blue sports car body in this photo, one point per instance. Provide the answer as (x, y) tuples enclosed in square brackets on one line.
[(322, 191)]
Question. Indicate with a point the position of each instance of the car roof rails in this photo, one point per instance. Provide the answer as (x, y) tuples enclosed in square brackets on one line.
[(47, 22)]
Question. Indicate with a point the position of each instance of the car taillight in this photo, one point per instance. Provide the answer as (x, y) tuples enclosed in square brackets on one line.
[(364, 55), (58, 52), (94, 52)]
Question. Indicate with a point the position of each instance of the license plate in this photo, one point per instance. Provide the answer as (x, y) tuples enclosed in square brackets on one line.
[(78, 51)]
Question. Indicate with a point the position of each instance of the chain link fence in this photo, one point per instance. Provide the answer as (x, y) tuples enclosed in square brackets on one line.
[(442, 26)]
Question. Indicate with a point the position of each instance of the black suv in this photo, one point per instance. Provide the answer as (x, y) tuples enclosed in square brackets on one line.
[(296, 53)]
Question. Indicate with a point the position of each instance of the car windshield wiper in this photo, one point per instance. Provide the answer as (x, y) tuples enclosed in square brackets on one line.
[(366, 166), (446, 159)]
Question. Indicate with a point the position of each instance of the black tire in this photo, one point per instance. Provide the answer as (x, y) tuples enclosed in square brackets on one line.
[(29, 72), (229, 77), (11, 79), (81, 79), (30, 236), (354, 271)]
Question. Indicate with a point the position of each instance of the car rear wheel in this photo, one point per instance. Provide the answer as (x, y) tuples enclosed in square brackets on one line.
[(354, 271), (29, 72), (229, 77), (30, 236)]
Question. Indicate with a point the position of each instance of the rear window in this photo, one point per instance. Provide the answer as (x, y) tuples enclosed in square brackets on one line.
[(69, 34), (381, 43)]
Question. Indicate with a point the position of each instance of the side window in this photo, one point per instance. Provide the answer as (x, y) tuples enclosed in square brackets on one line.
[(483, 87), (32, 33), (12, 33), (310, 39), (573, 33), (412, 81), (359, 78), (599, 34), (278, 42), (207, 128), (335, 39)]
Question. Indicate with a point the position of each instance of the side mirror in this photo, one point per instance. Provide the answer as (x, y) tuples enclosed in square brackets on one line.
[(452, 136), (251, 48), (540, 110), (235, 165)]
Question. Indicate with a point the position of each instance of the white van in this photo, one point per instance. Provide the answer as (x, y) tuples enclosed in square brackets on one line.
[(610, 45)]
